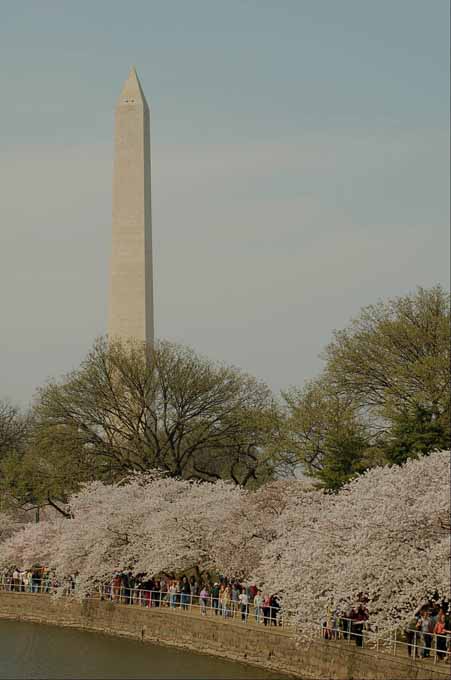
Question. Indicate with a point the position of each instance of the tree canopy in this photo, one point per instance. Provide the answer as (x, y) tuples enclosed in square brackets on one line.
[(395, 355), (383, 396), (386, 533), (384, 393), (134, 408)]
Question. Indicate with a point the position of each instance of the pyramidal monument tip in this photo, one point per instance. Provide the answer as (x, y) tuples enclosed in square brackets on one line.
[(132, 87)]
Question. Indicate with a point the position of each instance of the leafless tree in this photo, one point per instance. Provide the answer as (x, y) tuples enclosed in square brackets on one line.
[(134, 408)]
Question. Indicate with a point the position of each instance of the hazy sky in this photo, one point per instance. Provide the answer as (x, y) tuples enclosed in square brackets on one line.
[(300, 171)]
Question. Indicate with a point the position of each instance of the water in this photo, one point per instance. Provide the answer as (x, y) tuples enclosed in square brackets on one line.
[(32, 651)]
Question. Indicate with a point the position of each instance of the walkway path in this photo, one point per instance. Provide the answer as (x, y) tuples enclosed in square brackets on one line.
[(395, 648), (398, 648)]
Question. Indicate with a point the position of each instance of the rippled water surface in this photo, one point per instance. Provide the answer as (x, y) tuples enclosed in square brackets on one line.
[(34, 651)]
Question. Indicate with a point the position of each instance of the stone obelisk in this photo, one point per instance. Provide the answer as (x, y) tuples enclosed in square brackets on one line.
[(131, 277)]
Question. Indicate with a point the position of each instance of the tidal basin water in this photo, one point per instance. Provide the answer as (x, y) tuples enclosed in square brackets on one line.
[(32, 651)]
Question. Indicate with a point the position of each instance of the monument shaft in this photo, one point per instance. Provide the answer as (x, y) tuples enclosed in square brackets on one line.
[(131, 275)]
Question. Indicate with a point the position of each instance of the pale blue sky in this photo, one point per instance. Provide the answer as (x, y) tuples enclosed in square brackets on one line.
[(300, 171)]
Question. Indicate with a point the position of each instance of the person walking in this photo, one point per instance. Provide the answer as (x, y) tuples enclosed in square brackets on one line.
[(266, 609), (194, 586), (426, 628), (335, 632), (235, 594), (448, 633), (131, 587), (440, 632), (125, 588), (185, 590), (228, 601), (258, 602), (274, 606), (164, 587), (16, 580), (157, 598), (221, 598), (24, 581), (244, 602), (361, 616), (35, 580), (203, 601), (351, 616), (173, 595), (327, 623), (146, 595), (412, 636), (215, 598), (116, 587)]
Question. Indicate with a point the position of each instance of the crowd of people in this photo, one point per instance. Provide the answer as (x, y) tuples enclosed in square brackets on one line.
[(37, 579), (228, 598), (225, 597), (346, 623), (429, 628), (432, 620)]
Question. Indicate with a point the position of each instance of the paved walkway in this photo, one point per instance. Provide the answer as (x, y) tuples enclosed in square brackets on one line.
[(399, 650)]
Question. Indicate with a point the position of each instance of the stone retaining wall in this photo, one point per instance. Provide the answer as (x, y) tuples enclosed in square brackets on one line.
[(273, 650)]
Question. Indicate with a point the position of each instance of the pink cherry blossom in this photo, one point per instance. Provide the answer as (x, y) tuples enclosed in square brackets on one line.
[(385, 534)]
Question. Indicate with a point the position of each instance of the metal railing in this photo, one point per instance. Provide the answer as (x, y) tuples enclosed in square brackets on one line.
[(362, 633), (228, 609), (417, 644), (18, 585)]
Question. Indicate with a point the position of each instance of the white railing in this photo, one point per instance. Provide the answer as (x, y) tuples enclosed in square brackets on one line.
[(230, 610), (362, 633), (418, 644)]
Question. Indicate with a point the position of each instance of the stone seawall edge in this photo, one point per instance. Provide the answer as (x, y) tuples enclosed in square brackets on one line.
[(274, 651)]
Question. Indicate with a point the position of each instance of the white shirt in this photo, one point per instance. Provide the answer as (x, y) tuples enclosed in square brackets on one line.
[(244, 598)]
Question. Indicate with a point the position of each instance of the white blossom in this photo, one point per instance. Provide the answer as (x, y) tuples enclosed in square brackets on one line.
[(385, 534)]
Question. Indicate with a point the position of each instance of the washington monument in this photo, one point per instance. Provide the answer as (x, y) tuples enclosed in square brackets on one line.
[(131, 277)]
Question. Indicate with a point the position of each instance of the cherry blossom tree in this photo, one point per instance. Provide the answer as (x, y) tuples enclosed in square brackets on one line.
[(384, 534), (253, 525), (8, 525), (32, 543), (147, 523)]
